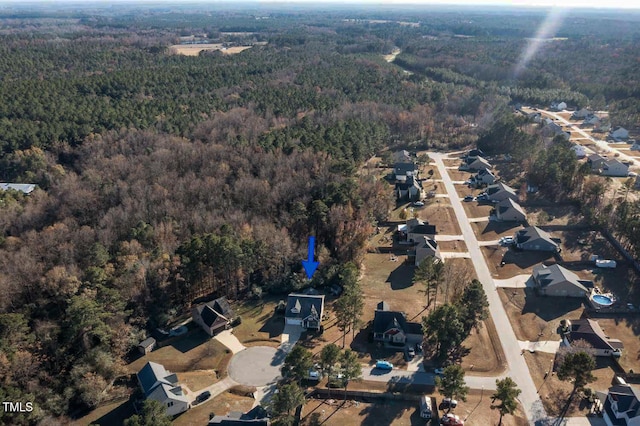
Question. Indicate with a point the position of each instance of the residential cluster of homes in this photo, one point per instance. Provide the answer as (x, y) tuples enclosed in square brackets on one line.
[(420, 235), (405, 172)]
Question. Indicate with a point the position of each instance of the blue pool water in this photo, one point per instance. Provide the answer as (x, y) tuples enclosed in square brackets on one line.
[(602, 299)]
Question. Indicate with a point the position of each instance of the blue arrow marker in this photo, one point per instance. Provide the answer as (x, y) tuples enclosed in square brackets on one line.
[(310, 265)]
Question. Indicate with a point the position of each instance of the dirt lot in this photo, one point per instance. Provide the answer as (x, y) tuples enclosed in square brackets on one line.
[(481, 361), (537, 318), (440, 214), (193, 351), (553, 215), (516, 263), (195, 49), (222, 404), (555, 393), (457, 175), (579, 245), (464, 190), (476, 411), (426, 169), (452, 162), (475, 209), (490, 231)]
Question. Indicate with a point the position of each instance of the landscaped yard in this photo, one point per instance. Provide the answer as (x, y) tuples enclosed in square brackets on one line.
[(193, 351), (220, 405)]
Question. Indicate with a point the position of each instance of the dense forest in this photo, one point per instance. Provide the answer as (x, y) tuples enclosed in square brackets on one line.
[(163, 178)]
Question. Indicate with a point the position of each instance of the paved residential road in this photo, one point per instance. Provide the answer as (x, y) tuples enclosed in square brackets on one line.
[(373, 374), (518, 369)]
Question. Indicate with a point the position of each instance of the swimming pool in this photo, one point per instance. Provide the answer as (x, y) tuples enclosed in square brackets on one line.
[(602, 300)]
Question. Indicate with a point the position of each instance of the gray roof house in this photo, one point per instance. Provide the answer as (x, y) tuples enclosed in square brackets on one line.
[(621, 406), (581, 114), (508, 210), (615, 168), (410, 189), (483, 177), (26, 188), (158, 384), (402, 156), (501, 191), (555, 280), (535, 239), (596, 161), (590, 331), (591, 121), (305, 310), (391, 327), (619, 134), (427, 247), (213, 316), (417, 229)]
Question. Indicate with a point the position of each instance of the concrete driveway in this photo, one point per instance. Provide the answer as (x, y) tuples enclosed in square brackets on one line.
[(256, 366), (230, 341), (519, 281)]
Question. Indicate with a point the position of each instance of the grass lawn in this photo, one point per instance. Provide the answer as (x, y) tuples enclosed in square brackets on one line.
[(555, 393), (452, 162), (579, 245), (352, 413), (537, 318), (193, 351), (490, 231), (220, 405), (475, 209), (485, 356), (425, 173), (459, 175), (259, 324), (108, 415), (516, 262), (196, 380), (439, 213), (627, 330), (458, 246)]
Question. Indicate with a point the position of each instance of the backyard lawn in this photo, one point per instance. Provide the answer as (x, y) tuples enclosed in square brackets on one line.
[(490, 231), (220, 405)]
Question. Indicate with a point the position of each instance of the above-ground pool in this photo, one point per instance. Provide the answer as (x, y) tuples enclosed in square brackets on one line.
[(602, 299)]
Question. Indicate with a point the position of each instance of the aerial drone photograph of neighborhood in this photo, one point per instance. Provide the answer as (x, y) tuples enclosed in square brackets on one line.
[(320, 213)]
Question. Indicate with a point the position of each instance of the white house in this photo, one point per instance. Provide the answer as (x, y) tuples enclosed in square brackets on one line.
[(621, 406), (580, 151), (619, 134), (615, 168), (558, 106), (581, 114), (483, 177), (159, 384)]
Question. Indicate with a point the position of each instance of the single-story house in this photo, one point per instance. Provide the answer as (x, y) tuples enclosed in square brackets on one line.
[(402, 156), (508, 210), (391, 327), (559, 106), (555, 280), (615, 168), (619, 134), (255, 417), (427, 247), (596, 161), (403, 171), (580, 151), (417, 229), (501, 191), (535, 239), (159, 384), (581, 114), (590, 331), (26, 188), (410, 189), (305, 310), (479, 163), (147, 345), (483, 177), (621, 407), (213, 316)]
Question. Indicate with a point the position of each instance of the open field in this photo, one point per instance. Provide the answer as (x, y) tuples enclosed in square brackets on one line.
[(459, 175), (439, 213), (220, 405), (490, 231), (193, 351), (553, 215), (195, 49), (475, 209)]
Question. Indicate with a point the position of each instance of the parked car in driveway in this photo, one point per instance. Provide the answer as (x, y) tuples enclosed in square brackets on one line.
[(448, 403), (410, 353), (203, 397), (313, 375), (505, 241), (384, 365), (418, 204), (469, 198)]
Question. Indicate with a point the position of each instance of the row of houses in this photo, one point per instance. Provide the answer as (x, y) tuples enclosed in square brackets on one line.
[(606, 166)]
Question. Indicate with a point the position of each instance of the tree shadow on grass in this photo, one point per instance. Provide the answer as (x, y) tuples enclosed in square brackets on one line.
[(549, 308), (526, 259), (499, 227), (118, 415), (274, 325), (190, 341), (401, 277)]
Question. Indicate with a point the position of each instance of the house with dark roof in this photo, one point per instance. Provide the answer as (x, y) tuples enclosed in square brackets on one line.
[(479, 164), (552, 129), (590, 121), (473, 154), (556, 280), (508, 210), (416, 229), (483, 177), (213, 316), (535, 239), (305, 310), (159, 384), (427, 247), (410, 189), (501, 191), (596, 161), (147, 345), (393, 329), (402, 171), (621, 407), (590, 331), (581, 114)]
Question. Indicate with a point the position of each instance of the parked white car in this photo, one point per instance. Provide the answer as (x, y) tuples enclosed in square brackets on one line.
[(605, 263), (505, 241)]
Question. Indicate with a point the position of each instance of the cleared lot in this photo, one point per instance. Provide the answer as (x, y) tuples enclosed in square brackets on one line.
[(440, 214), (490, 231)]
